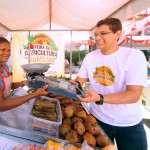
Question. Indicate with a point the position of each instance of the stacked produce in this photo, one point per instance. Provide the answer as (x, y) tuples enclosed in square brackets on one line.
[(44, 115), (45, 109), (78, 126)]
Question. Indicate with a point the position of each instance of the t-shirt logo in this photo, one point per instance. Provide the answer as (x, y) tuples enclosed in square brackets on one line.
[(104, 76)]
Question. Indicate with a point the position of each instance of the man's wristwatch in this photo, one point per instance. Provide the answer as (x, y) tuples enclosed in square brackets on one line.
[(101, 101)]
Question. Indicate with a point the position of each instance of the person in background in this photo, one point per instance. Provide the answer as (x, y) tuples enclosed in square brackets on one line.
[(67, 66), (148, 65), (117, 78), (66, 63), (6, 84)]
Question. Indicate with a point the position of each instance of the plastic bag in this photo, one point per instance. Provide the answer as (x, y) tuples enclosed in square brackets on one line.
[(28, 147), (85, 146), (50, 145), (11, 117)]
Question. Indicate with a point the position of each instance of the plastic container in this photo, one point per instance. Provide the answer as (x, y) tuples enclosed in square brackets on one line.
[(36, 123)]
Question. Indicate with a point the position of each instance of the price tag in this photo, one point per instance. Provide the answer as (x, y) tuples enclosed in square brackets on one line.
[(7, 144)]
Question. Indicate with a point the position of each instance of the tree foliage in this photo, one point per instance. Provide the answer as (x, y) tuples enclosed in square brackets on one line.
[(76, 56)]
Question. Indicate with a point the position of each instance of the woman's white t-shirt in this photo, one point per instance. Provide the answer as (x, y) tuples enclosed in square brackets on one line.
[(110, 74)]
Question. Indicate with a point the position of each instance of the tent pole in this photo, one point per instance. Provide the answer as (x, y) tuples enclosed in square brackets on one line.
[(71, 55), (50, 14), (29, 48), (4, 27)]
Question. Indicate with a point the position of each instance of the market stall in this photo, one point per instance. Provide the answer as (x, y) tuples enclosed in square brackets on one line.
[(27, 129), (59, 117), (139, 40), (66, 15)]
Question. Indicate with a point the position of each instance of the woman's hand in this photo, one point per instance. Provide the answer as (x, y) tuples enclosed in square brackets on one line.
[(41, 91), (24, 82), (19, 84), (89, 96)]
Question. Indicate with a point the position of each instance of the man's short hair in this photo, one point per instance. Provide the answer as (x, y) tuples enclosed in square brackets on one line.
[(113, 23)]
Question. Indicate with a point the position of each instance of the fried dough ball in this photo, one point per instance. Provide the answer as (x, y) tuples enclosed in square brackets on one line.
[(91, 141), (69, 111), (79, 128), (75, 119), (110, 147), (102, 140), (92, 128), (64, 129), (73, 137), (90, 119), (80, 113), (67, 121)]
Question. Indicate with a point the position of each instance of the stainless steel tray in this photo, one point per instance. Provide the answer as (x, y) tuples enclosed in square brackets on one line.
[(13, 123), (38, 137), (36, 67)]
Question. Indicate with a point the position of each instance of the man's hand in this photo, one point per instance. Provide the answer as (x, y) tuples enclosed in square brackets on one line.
[(90, 96)]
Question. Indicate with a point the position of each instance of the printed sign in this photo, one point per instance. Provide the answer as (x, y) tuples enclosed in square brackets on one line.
[(36, 47), (40, 49)]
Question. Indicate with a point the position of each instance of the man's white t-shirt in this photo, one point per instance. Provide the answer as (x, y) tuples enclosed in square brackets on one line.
[(110, 74)]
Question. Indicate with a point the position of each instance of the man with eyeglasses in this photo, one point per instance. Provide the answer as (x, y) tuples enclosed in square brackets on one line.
[(117, 78)]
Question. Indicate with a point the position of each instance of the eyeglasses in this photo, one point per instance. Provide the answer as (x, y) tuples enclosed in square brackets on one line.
[(101, 34)]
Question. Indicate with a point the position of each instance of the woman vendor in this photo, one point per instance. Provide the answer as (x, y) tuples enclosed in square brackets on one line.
[(6, 84)]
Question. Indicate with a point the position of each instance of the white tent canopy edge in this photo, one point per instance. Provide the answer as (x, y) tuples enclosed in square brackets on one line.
[(73, 14)]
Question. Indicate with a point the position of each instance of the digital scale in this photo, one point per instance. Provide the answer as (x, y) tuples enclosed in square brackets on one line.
[(37, 79)]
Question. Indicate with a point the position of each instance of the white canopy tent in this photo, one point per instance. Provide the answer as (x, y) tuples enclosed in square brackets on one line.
[(70, 15), (25, 15), (133, 29)]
